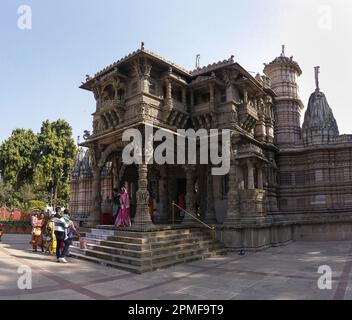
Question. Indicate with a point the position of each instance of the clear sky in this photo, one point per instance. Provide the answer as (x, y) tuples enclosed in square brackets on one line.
[(42, 68)]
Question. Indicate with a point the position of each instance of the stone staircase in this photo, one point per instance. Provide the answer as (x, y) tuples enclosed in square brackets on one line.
[(146, 251)]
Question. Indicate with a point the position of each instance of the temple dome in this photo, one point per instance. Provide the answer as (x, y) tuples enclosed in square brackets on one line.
[(319, 124)]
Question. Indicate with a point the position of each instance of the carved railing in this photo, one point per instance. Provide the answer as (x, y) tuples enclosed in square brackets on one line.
[(110, 104)]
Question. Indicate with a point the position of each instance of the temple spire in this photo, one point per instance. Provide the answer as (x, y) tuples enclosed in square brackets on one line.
[(317, 71)]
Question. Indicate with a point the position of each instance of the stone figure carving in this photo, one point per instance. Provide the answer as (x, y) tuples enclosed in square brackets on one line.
[(86, 135)]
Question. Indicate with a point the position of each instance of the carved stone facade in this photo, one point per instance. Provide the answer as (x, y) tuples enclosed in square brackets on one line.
[(282, 178)]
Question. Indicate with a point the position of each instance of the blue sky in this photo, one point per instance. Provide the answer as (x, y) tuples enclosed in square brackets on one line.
[(42, 68)]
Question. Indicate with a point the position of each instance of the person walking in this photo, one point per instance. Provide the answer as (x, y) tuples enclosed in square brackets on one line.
[(71, 232), (60, 227), (37, 237), (34, 219), (50, 232)]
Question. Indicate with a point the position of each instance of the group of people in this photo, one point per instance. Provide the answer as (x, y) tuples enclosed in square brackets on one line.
[(121, 208), (54, 234)]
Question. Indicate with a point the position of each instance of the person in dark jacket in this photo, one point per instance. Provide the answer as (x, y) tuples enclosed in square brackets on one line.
[(60, 230)]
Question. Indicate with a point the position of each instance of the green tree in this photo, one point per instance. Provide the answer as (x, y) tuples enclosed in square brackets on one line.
[(55, 155), (17, 164), (7, 195)]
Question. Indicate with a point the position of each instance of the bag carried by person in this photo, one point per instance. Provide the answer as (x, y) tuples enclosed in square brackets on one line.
[(37, 232)]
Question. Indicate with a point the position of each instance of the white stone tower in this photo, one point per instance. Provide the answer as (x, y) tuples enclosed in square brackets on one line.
[(283, 73)]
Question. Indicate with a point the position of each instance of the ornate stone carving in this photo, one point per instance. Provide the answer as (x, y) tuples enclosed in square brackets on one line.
[(86, 135)]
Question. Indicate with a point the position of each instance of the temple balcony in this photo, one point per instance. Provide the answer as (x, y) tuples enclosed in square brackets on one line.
[(249, 150), (248, 117), (179, 106), (202, 108), (110, 104)]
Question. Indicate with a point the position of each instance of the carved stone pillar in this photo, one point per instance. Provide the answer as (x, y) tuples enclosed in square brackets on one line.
[(142, 220), (260, 177), (115, 172), (233, 210), (168, 104), (190, 196), (164, 214), (250, 175), (94, 217), (210, 217), (245, 95), (145, 77)]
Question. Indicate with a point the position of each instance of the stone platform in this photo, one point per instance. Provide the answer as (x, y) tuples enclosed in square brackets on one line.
[(135, 251)]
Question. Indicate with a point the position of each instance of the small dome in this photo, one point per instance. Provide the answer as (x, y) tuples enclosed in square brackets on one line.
[(319, 124)]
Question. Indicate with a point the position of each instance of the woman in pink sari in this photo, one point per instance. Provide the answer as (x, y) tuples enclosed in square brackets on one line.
[(123, 218)]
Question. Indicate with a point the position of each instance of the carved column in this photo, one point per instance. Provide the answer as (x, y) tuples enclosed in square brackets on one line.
[(163, 195), (94, 217), (142, 220), (260, 177), (210, 217), (245, 95), (233, 210), (190, 196), (146, 76), (168, 98), (116, 171), (250, 174), (169, 91)]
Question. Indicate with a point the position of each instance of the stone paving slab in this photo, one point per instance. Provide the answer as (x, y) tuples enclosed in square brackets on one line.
[(289, 272)]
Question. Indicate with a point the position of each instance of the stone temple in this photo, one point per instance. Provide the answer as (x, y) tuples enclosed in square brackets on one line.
[(286, 181)]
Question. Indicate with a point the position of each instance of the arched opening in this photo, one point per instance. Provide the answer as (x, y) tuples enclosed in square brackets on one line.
[(108, 93)]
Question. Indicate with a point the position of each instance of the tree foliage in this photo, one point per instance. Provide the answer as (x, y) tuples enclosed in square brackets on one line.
[(55, 157), (37, 167), (17, 164)]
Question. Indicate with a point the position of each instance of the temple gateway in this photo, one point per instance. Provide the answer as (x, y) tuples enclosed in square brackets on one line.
[(285, 182)]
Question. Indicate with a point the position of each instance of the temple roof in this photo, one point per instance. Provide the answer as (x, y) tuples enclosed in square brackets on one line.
[(319, 124), (140, 52), (82, 162), (189, 74), (283, 60)]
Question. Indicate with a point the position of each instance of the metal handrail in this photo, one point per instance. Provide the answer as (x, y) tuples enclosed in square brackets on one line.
[(194, 217)]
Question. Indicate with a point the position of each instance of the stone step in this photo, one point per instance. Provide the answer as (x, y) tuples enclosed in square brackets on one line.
[(156, 238), (129, 243), (147, 246), (151, 267), (145, 251), (173, 255), (137, 234), (154, 252)]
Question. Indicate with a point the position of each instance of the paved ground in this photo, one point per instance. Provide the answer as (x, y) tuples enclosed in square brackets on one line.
[(289, 272)]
